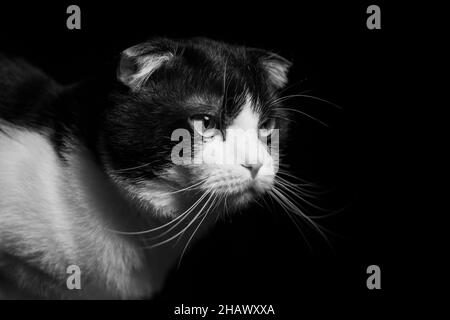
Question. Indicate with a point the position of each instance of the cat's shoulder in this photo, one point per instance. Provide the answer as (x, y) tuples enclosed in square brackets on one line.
[(25, 91)]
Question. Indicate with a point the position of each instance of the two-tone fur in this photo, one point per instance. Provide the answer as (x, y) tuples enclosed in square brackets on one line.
[(84, 168)]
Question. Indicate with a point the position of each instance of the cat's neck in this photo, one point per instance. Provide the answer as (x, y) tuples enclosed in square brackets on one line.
[(115, 222), (70, 209)]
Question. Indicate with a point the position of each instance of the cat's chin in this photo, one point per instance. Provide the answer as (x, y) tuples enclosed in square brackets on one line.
[(245, 195), (243, 199)]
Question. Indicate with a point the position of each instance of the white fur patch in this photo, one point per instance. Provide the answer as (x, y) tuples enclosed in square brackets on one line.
[(277, 72), (226, 162), (146, 66), (61, 215)]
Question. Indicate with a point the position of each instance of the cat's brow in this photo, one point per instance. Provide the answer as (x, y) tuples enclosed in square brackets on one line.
[(202, 108), (202, 104)]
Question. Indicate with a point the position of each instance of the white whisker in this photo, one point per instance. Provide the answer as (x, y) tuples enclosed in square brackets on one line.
[(295, 209), (305, 114), (181, 216), (198, 226), (282, 205), (132, 168), (284, 98), (184, 229)]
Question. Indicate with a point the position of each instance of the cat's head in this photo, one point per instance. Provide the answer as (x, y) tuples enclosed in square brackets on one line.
[(193, 118)]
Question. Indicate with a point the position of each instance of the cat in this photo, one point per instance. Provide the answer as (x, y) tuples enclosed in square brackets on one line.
[(88, 172)]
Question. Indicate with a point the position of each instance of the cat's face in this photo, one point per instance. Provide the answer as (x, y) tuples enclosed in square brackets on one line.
[(192, 118)]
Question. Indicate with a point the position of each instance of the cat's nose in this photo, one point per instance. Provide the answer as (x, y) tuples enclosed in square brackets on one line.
[(253, 168)]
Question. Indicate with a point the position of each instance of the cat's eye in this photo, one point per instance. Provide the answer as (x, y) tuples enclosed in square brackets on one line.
[(203, 124), (266, 128)]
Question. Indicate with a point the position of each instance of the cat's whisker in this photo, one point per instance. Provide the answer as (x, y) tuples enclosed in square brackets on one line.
[(283, 118), (306, 115), (198, 226), (302, 196), (258, 203), (183, 230), (297, 204), (225, 205), (188, 188), (284, 98), (182, 216), (288, 191), (270, 207), (296, 184), (273, 100), (225, 208), (303, 181), (296, 210), (309, 188), (281, 164), (131, 168), (298, 187), (295, 187), (288, 212), (198, 215)]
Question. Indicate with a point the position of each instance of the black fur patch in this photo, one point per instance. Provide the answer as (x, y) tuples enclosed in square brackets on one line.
[(139, 124), (133, 127)]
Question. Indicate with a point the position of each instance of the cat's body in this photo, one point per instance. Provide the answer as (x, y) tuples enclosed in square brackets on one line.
[(72, 171), (54, 214)]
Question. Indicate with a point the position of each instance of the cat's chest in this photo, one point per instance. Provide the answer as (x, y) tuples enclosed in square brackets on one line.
[(37, 185), (29, 175), (59, 214)]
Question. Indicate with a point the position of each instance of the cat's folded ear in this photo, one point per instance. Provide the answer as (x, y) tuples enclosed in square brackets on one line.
[(139, 62), (276, 67)]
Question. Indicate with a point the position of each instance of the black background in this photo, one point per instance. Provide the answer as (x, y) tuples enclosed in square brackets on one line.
[(258, 256)]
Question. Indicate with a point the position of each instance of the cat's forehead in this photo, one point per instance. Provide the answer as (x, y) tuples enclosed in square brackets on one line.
[(203, 77), (235, 110), (248, 116), (227, 92)]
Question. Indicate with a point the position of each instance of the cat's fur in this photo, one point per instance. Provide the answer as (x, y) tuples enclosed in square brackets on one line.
[(77, 162)]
